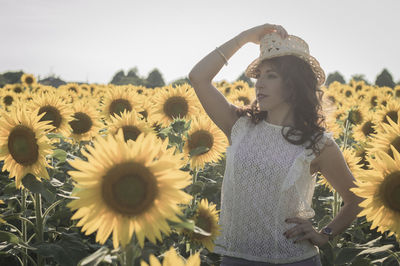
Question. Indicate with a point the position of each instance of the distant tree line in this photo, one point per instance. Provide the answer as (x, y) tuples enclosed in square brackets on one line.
[(155, 79)]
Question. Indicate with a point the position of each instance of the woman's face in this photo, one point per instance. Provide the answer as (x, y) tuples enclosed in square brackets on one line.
[(269, 83)]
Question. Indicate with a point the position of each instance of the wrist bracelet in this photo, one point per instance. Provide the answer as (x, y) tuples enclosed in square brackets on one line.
[(223, 56)]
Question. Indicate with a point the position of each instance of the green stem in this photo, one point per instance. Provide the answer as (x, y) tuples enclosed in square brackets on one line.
[(39, 224), (194, 181), (130, 253), (23, 226)]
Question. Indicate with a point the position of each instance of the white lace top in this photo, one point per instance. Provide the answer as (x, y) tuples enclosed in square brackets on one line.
[(265, 182)]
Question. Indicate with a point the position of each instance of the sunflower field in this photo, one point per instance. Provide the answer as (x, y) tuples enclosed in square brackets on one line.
[(95, 174)]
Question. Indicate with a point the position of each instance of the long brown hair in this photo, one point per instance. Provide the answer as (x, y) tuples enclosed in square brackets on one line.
[(303, 95)]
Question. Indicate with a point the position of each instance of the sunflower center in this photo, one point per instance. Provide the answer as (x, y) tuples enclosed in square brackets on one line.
[(52, 114), (176, 106), (81, 124), (397, 94), (374, 100), (396, 145), (129, 188), (348, 93), (29, 80), (18, 89), (205, 224), (367, 128), (22, 145), (355, 117), (73, 89), (392, 115), (227, 90), (131, 132), (358, 87), (390, 191), (201, 138), (144, 113), (118, 106), (245, 100), (7, 100)]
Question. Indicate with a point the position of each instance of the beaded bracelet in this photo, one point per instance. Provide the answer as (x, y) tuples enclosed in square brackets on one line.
[(223, 56)]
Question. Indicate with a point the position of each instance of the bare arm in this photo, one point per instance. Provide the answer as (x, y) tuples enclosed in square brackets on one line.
[(210, 65), (213, 101)]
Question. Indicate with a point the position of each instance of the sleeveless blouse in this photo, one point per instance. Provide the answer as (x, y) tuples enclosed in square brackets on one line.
[(267, 179)]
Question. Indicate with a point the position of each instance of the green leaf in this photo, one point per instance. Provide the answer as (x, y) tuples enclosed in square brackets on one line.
[(186, 224), (95, 258), (347, 255), (30, 182), (196, 187), (56, 251), (11, 238), (198, 150), (55, 135), (60, 155)]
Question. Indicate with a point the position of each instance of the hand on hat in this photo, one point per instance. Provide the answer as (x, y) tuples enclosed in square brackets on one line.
[(255, 34)]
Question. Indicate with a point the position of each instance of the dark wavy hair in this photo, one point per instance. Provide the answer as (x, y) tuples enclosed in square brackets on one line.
[(303, 95)]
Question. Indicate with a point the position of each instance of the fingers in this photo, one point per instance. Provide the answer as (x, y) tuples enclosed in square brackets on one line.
[(281, 30)]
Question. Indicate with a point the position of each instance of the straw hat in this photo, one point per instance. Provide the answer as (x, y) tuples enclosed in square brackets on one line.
[(272, 45)]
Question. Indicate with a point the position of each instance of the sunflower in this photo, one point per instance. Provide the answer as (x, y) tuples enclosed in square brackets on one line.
[(372, 98), (242, 96), (226, 89), (131, 125), (361, 152), (240, 85), (348, 92), (23, 144), (396, 91), (28, 79), (56, 111), (171, 258), (203, 133), (206, 217), (388, 135), (174, 102), (381, 189), (352, 162), (364, 130), (123, 189), (85, 124), (118, 99), (7, 98), (391, 110), (356, 114)]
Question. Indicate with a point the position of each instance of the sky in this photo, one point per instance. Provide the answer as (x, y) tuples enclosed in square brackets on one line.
[(91, 40)]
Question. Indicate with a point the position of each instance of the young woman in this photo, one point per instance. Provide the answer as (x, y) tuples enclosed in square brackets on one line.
[(277, 144)]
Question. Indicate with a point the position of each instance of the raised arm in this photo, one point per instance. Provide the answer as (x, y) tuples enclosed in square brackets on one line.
[(213, 101)]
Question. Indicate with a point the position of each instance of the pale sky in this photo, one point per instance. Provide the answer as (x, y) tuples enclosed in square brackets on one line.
[(90, 40)]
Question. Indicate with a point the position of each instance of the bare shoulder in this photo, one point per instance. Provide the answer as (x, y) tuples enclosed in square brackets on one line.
[(330, 151)]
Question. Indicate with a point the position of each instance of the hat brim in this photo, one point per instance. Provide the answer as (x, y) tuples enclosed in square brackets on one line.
[(251, 70)]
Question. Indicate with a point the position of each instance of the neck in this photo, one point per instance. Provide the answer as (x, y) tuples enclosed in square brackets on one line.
[(281, 116)]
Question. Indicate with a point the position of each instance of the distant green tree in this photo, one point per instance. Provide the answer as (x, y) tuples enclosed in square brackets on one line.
[(181, 81), (155, 79), (359, 77), (385, 79), (245, 79), (118, 77), (336, 76), (10, 77), (132, 73)]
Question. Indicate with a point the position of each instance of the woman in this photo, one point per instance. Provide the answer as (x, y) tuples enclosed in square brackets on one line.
[(276, 146)]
